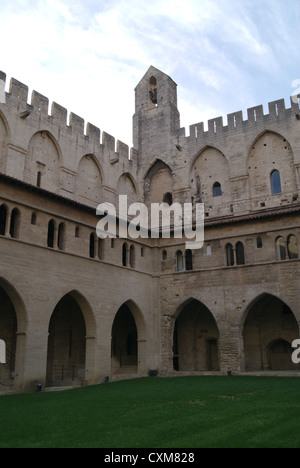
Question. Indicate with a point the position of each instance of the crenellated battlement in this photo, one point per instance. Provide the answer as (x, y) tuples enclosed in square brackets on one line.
[(18, 98), (235, 121)]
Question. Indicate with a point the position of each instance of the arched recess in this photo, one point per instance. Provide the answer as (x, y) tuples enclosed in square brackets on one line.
[(71, 342), (195, 339), (269, 322), (126, 186), (158, 182), (42, 162), (128, 341), (13, 324), (88, 182), (210, 180), (270, 154), (3, 143)]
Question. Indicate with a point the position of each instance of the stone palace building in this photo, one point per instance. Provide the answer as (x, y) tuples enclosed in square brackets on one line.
[(75, 309)]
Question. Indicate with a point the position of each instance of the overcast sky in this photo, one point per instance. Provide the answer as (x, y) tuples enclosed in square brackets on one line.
[(88, 55)]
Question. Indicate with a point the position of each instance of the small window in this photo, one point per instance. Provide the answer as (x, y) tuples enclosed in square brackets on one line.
[(124, 255), (164, 255), (292, 248), (51, 231), (101, 249), (240, 254), (132, 256), (281, 249), (61, 237), (15, 224), (77, 232), (92, 245), (179, 261), (189, 260), (259, 243), (142, 252), (39, 179), (276, 183), (3, 216), (168, 198), (2, 352), (153, 90), (229, 255), (33, 219), (208, 250), (217, 190)]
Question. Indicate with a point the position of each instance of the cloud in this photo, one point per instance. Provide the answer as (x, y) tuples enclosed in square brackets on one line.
[(88, 55)]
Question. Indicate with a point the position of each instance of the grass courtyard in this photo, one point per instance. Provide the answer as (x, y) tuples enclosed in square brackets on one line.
[(191, 412)]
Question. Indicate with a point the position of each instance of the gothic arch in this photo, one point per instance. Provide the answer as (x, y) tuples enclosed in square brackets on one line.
[(270, 152), (13, 328), (195, 338), (89, 180), (43, 161), (127, 186), (210, 169), (267, 323), (71, 341), (159, 180), (129, 339)]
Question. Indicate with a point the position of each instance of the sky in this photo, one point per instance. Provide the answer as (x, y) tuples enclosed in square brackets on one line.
[(89, 55)]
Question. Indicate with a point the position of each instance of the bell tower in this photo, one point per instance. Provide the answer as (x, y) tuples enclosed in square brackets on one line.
[(156, 115)]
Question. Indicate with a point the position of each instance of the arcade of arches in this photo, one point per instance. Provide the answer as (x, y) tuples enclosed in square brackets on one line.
[(268, 330)]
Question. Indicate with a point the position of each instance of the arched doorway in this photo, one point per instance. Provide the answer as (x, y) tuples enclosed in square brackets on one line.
[(67, 343), (269, 330), (13, 320), (196, 339), (128, 340), (8, 337)]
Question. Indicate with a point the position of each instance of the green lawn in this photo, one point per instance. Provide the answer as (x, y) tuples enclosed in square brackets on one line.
[(190, 412)]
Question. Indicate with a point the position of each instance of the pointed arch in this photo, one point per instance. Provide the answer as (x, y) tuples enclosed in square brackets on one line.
[(270, 166), (4, 139), (210, 180), (195, 338), (159, 181), (89, 180), (43, 161), (71, 341), (267, 323)]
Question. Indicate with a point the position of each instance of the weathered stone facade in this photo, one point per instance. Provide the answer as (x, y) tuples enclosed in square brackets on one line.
[(75, 309)]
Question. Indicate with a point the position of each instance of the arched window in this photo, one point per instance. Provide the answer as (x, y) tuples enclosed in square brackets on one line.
[(39, 179), (33, 219), (51, 231), (229, 255), (179, 261), (276, 183), (124, 255), (61, 237), (15, 223), (153, 90), (292, 247), (259, 243), (240, 254), (2, 352), (92, 245), (281, 249), (132, 256), (3, 216), (189, 260), (101, 249), (168, 198), (217, 190)]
